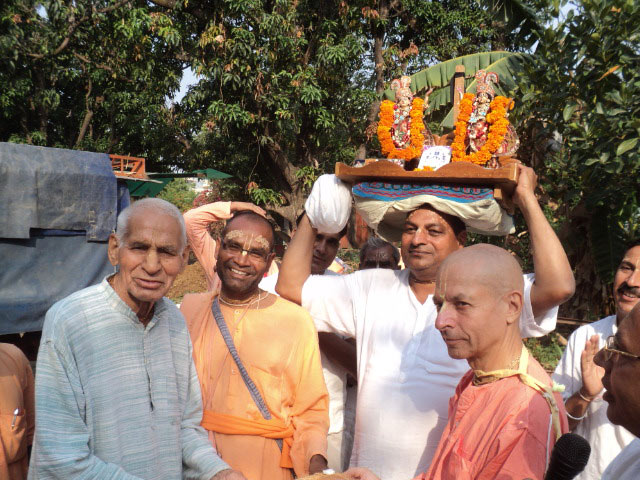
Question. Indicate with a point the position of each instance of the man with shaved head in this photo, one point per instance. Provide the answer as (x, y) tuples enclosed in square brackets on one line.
[(503, 418), (257, 357), (117, 394)]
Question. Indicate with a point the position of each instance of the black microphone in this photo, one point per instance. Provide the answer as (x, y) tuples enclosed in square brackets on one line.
[(568, 458)]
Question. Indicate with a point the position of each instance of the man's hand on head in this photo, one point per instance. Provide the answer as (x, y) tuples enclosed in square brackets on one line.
[(228, 475), (239, 206), (317, 464), (591, 373)]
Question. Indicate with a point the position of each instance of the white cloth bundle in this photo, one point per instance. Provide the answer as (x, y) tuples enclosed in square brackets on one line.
[(329, 204)]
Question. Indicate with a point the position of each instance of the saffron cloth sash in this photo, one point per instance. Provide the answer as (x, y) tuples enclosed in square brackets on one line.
[(232, 425)]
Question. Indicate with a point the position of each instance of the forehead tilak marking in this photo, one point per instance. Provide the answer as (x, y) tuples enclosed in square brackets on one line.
[(247, 239)]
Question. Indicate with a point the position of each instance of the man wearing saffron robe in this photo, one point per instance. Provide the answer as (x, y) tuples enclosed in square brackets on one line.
[(17, 412), (117, 394), (277, 346), (402, 360), (504, 418), (336, 355)]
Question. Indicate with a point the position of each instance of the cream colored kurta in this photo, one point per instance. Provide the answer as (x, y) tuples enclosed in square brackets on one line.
[(279, 348)]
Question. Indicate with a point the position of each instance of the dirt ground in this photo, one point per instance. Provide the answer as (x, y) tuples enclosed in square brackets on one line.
[(191, 280)]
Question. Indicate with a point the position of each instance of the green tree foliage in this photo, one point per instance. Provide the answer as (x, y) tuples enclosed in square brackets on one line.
[(91, 74), (286, 88), (179, 192), (581, 110), (289, 85)]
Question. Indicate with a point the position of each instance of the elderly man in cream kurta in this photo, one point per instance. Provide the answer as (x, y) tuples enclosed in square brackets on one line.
[(117, 395)]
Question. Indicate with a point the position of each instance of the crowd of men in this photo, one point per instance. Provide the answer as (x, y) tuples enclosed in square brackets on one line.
[(253, 378)]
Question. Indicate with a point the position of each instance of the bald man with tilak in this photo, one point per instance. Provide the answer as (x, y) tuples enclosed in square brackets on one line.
[(503, 418)]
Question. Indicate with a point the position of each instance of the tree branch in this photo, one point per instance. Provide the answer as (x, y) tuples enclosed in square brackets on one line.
[(88, 115), (73, 24), (101, 66)]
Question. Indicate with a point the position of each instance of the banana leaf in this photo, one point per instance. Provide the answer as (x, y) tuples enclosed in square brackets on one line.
[(505, 64)]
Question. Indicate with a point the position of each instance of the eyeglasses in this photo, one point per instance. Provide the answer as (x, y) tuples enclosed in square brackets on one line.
[(236, 249), (610, 348)]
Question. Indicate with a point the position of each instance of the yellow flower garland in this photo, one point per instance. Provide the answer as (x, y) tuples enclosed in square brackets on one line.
[(498, 125), (416, 127)]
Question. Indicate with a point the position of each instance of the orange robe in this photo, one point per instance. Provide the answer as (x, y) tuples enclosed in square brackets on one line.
[(16, 431), (278, 346), (499, 430)]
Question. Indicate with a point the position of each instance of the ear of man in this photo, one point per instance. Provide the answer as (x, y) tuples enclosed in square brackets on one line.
[(185, 258), (112, 249), (514, 302)]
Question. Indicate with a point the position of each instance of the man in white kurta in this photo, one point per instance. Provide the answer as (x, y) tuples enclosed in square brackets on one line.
[(586, 408), (405, 375)]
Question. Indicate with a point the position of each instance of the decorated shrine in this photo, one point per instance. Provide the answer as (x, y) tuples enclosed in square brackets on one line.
[(469, 172)]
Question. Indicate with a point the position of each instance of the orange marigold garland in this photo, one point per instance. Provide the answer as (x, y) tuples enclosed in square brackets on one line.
[(498, 125), (416, 127)]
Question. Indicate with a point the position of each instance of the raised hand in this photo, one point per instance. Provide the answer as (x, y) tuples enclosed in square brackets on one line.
[(527, 182), (591, 373)]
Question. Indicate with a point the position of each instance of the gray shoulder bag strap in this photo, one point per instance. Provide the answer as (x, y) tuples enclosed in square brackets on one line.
[(253, 390)]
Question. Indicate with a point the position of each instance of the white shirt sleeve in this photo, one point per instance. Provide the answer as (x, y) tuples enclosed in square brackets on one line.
[(329, 300), (531, 326), (268, 284), (569, 371)]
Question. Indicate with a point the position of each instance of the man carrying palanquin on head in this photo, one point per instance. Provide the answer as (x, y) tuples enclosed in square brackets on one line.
[(504, 417), (117, 394), (265, 401), (405, 376)]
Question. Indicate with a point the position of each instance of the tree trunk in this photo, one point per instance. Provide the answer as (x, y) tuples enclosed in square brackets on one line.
[(43, 112), (379, 68)]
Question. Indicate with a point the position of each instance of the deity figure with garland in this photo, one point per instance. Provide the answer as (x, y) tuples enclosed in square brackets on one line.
[(489, 135), (401, 130)]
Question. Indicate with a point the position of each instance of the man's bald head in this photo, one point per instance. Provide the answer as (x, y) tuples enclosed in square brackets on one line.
[(489, 265), (479, 297)]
